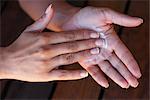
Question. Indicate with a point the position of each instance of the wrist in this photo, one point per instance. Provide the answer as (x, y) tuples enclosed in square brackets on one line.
[(68, 24), (61, 17)]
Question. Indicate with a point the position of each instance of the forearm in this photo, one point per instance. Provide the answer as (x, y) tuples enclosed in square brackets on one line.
[(63, 11)]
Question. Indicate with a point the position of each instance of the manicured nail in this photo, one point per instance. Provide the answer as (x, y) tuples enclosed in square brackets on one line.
[(48, 9), (141, 20), (136, 84), (94, 51), (127, 86), (94, 35), (98, 42), (139, 74), (106, 85), (84, 74)]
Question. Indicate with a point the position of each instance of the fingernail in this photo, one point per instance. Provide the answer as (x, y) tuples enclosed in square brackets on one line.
[(94, 35), (94, 51), (98, 42), (106, 85), (84, 74), (135, 85), (141, 20), (127, 86), (139, 75), (48, 9)]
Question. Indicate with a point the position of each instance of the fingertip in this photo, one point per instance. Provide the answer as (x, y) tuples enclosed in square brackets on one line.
[(48, 9), (137, 21), (106, 85), (124, 84), (141, 20), (40, 24), (139, 75), (136, 85), (84, 74), (127, 86), (134, 82), (136, 71)]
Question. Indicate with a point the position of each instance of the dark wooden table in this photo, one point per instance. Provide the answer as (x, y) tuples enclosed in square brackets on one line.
[(14, 20)]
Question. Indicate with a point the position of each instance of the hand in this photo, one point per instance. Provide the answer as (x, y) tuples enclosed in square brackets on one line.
[(116, 61), (35, 55)]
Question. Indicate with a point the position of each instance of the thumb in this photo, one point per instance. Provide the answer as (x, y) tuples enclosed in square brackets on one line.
[(122, 19), (42, 22)]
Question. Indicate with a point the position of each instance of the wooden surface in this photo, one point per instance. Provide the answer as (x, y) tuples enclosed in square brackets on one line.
[(13, 21)]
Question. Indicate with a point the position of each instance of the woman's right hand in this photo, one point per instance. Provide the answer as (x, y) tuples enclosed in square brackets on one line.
[(35, 55)]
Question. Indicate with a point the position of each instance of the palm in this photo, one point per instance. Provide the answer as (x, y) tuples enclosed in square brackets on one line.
[(86, 18), (119, 57)]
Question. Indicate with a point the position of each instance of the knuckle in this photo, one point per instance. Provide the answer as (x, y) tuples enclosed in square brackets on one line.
[(44, 38), (91, 42), (107, 69), (85, 33), (45, 52), (83, 55), (69, 58), (72, 46), (71, 36)]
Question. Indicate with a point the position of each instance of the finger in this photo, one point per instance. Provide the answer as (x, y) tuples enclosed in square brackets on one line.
[(122, 69), (67, 36), (75, 46), (69, 47), (73, 57), (121, 19), (96, 74), (41, 23), (66, 74), (126, 57), (113, 74), (54, 50)]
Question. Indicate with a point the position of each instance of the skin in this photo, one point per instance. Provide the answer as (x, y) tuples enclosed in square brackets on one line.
[(116, 56), (36, 55), (116, 61)]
